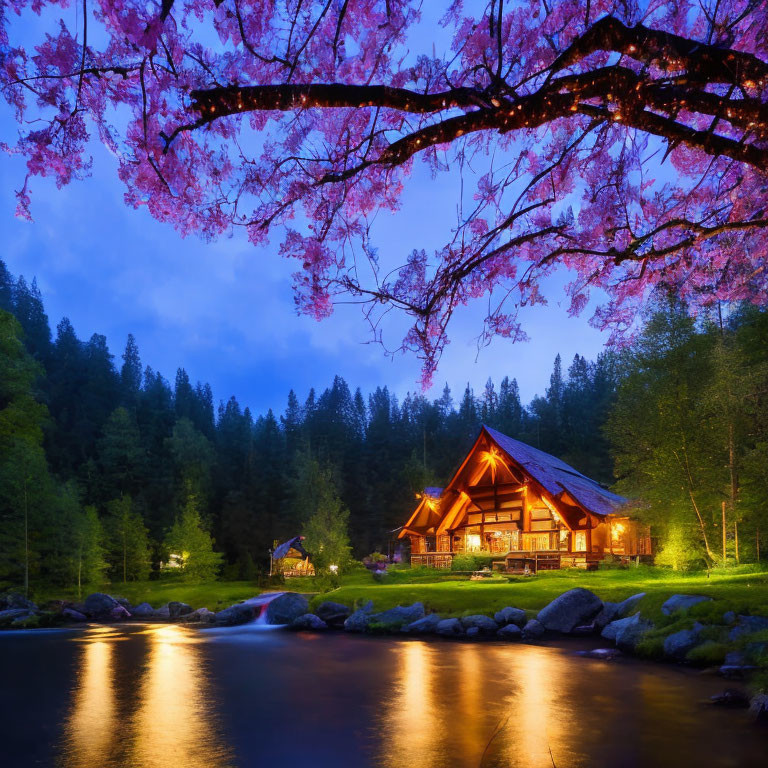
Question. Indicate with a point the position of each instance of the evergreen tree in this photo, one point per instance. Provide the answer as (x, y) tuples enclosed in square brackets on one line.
[(121, 455), (6, 288), (130, 373), (29, 311)]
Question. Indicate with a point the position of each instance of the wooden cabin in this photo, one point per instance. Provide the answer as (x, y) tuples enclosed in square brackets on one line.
[(525, 507)]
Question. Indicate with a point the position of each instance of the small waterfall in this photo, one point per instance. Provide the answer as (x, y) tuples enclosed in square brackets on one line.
[(261, 602), (258, 623)]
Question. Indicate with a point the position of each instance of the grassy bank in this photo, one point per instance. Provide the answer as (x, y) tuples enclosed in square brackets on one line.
[(744, 588), (214, 595)]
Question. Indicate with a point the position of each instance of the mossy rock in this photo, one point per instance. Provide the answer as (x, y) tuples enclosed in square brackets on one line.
[(709, 653), (651, 647)]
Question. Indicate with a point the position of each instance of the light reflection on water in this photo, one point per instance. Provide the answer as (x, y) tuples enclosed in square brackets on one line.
[(164, 716), (486, 705), (92, 725), (174, 696)]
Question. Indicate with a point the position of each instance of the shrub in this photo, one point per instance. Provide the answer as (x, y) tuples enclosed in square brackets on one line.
[(680, 549), (469, 562)]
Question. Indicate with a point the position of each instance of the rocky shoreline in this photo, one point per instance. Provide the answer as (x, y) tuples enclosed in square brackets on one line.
[(577, 612)]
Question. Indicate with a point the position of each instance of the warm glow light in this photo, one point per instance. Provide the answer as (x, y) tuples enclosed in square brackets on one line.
[(333, 568), (91, 726), (473, 541), (617, 529), (493, 459), (174, 717)]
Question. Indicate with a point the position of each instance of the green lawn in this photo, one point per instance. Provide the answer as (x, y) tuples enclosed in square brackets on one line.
[(744, 588)]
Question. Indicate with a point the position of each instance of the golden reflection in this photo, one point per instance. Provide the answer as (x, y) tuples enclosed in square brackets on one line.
[(174, 723), (410, 719), (91, 728), (457, 704), (537, 735)]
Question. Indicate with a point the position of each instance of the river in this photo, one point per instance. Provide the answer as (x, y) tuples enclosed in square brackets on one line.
[(154, 696)]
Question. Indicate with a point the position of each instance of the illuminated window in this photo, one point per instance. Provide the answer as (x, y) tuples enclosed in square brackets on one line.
[(473, 542), (580, 541)]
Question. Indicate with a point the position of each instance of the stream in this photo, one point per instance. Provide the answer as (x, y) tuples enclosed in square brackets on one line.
[(159, 695)]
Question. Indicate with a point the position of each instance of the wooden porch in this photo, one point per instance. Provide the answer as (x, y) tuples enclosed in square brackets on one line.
[(517, 561)]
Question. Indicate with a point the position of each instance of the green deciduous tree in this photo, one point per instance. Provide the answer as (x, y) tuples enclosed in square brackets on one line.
[(192, 544), (25, 485), (88, 553), (128, 548), (325, 531)]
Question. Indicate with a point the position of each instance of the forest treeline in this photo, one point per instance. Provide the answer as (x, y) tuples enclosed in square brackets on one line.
[(106, 467)]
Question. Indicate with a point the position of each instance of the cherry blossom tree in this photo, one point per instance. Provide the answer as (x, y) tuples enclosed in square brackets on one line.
[(623, 140)]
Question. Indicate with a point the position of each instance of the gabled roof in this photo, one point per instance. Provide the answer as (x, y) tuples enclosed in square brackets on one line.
[(557, 477)]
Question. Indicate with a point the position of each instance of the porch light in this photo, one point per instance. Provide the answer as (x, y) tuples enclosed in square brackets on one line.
[(333, 569)]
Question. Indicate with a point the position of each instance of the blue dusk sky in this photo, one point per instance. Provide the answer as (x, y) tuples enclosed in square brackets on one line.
[(225, 310)]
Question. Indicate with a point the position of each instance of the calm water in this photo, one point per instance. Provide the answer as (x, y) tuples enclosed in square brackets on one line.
[(155, 696)]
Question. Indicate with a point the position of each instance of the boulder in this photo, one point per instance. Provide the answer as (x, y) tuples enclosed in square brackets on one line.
[(510, 616), (729, 617), (395, 618), (358, 620), (472, 633), (333, 614), (29, 621), (449, 628), (118, 613), (584, 630), (176, 610), (163, 612), (758, 708), (625, 607), (484, 624), (574, 607), (731, 697), (70, 614), (609, 613), (756, 652), (12, 600), (308, 621), (630, 632), (677, 645), (143, 611), (682, 603), (423, 626), (201, 616), (287, 607), (122, 601), (736, 671), (241, 613), (533, 630), (10, 615), (509, 632), (100, 606), (746, 625)]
